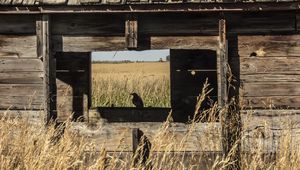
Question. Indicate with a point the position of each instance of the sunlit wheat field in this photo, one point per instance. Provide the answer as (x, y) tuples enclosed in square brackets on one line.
[(112, 84)]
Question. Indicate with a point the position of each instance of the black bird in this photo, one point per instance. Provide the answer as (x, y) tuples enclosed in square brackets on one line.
[(137, 100)]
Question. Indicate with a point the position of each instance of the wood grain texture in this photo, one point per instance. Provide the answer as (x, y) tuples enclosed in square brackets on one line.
[(261, 89), (269, 71), (274, 65), (21, 89), (31, 116), (271, 102), (118, 136), (21, 77), (266, 129), (270, 77), (184, 42), (176, 24), (18, 46), (87, 43), (88, 24), (222, 62), (17, 24), (272, 46), (21, 96), (21, 102), (29, 65), (131, 32), (43, 26), (261, 23)]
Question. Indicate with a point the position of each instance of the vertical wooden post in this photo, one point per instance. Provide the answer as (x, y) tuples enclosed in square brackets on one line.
[(131, 32), (230, 115), (222, 84), (44, 53), (222, 64), (141, 148)]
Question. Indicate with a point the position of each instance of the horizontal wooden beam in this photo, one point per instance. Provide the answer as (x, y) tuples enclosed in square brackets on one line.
[(155, 8), (89, 43)]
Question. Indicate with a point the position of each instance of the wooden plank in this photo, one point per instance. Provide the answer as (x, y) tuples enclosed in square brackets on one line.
[(261, 23), (21, 77), (118, 136), (18, 24), (270, 77), (14, 65), (266, 128), (18, 46), (184, 42), (222, 62), (274, 65), (261, 89), (88, 43), (274, 102), (98, 43), (21, 102), (178, 24), (26, 114), (173, 7), (44, 52), (131, 32), (21, 89), (278, 46), (88, 24)]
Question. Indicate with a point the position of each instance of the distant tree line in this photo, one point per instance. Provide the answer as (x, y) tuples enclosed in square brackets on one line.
[(128, 61)]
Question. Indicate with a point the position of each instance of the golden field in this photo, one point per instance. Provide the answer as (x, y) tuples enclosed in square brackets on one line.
[(113, 83)]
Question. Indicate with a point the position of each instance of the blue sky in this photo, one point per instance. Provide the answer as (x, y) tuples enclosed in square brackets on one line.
[(147, 55)]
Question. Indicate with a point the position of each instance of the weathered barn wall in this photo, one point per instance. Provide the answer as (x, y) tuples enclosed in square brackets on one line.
[(275, 62), (21, 71), (269, 71)]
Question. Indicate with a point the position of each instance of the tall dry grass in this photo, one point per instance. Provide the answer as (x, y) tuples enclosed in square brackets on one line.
[(34, 146), (25, 145), (113, 83)]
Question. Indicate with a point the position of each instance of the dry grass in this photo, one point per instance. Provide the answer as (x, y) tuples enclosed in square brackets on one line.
[(34, 146), (113, 83)]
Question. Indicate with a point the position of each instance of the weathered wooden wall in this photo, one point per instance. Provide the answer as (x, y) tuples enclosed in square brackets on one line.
[(269, 71), (21, 71), (265, 62), (264, 130)]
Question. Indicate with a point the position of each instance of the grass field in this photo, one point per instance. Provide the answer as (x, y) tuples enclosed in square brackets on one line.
[(113, 83)]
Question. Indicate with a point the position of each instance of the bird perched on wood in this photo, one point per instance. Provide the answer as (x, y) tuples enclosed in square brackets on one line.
[(137, 100)]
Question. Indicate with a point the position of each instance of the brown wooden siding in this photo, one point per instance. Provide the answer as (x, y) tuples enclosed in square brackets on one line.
[(269, 71), (21, 72)]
